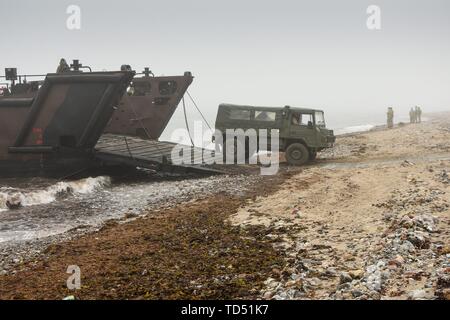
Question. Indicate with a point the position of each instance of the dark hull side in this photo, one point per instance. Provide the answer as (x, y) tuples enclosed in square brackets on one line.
[(146, 110), (58, 167)]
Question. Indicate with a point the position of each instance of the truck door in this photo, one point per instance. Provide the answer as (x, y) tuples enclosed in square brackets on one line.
[(302, 127)]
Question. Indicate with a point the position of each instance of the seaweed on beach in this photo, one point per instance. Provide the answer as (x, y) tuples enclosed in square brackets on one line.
[(188, 252)]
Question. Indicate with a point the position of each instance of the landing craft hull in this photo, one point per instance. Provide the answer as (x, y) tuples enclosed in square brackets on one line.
[(54, 132), (58, 167)]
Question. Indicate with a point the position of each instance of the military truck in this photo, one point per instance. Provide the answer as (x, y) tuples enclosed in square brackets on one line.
[(302, 132)]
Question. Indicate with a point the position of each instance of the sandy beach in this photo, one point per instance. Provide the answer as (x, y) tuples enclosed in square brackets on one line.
[(370, 219)]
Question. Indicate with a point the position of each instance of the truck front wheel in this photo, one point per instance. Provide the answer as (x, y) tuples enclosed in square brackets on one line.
[(297, 154)]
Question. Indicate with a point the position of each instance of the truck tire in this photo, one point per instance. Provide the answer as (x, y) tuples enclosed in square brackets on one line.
[(297, 154)]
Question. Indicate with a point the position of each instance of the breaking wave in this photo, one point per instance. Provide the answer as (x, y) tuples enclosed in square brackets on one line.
[(10, 196), (353, 129)]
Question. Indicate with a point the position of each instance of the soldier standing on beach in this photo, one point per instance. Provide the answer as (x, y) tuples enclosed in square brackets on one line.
[(390, 118), (411, 115), (418, 114)]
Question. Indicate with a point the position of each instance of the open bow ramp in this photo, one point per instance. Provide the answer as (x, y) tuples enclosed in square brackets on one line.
[(150, 154)]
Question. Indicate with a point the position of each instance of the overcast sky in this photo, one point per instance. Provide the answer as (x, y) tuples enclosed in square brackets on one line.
[(302, 53)]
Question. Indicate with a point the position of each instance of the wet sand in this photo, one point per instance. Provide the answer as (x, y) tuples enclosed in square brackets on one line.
[(369, 219)]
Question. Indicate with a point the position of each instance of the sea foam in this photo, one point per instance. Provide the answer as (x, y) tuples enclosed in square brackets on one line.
[(51, 193)]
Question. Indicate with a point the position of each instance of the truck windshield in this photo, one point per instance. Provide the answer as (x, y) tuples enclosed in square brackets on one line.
[(320, 119)]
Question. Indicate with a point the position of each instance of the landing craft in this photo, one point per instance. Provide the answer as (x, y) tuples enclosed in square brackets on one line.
[(51, 126), (76, 120)]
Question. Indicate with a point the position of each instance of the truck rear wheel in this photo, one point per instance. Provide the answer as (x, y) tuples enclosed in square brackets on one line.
[(297, 154)]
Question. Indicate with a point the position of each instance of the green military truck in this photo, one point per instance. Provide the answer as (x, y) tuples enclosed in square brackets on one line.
[(302, 132)]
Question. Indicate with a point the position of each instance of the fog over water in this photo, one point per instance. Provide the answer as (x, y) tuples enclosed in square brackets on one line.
[(318, 54)]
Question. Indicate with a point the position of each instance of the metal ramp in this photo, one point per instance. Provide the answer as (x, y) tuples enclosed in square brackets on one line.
[(149, 154)]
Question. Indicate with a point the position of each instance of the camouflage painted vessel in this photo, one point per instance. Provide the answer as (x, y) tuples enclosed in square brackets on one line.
[(75, 121), (51, 127)]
